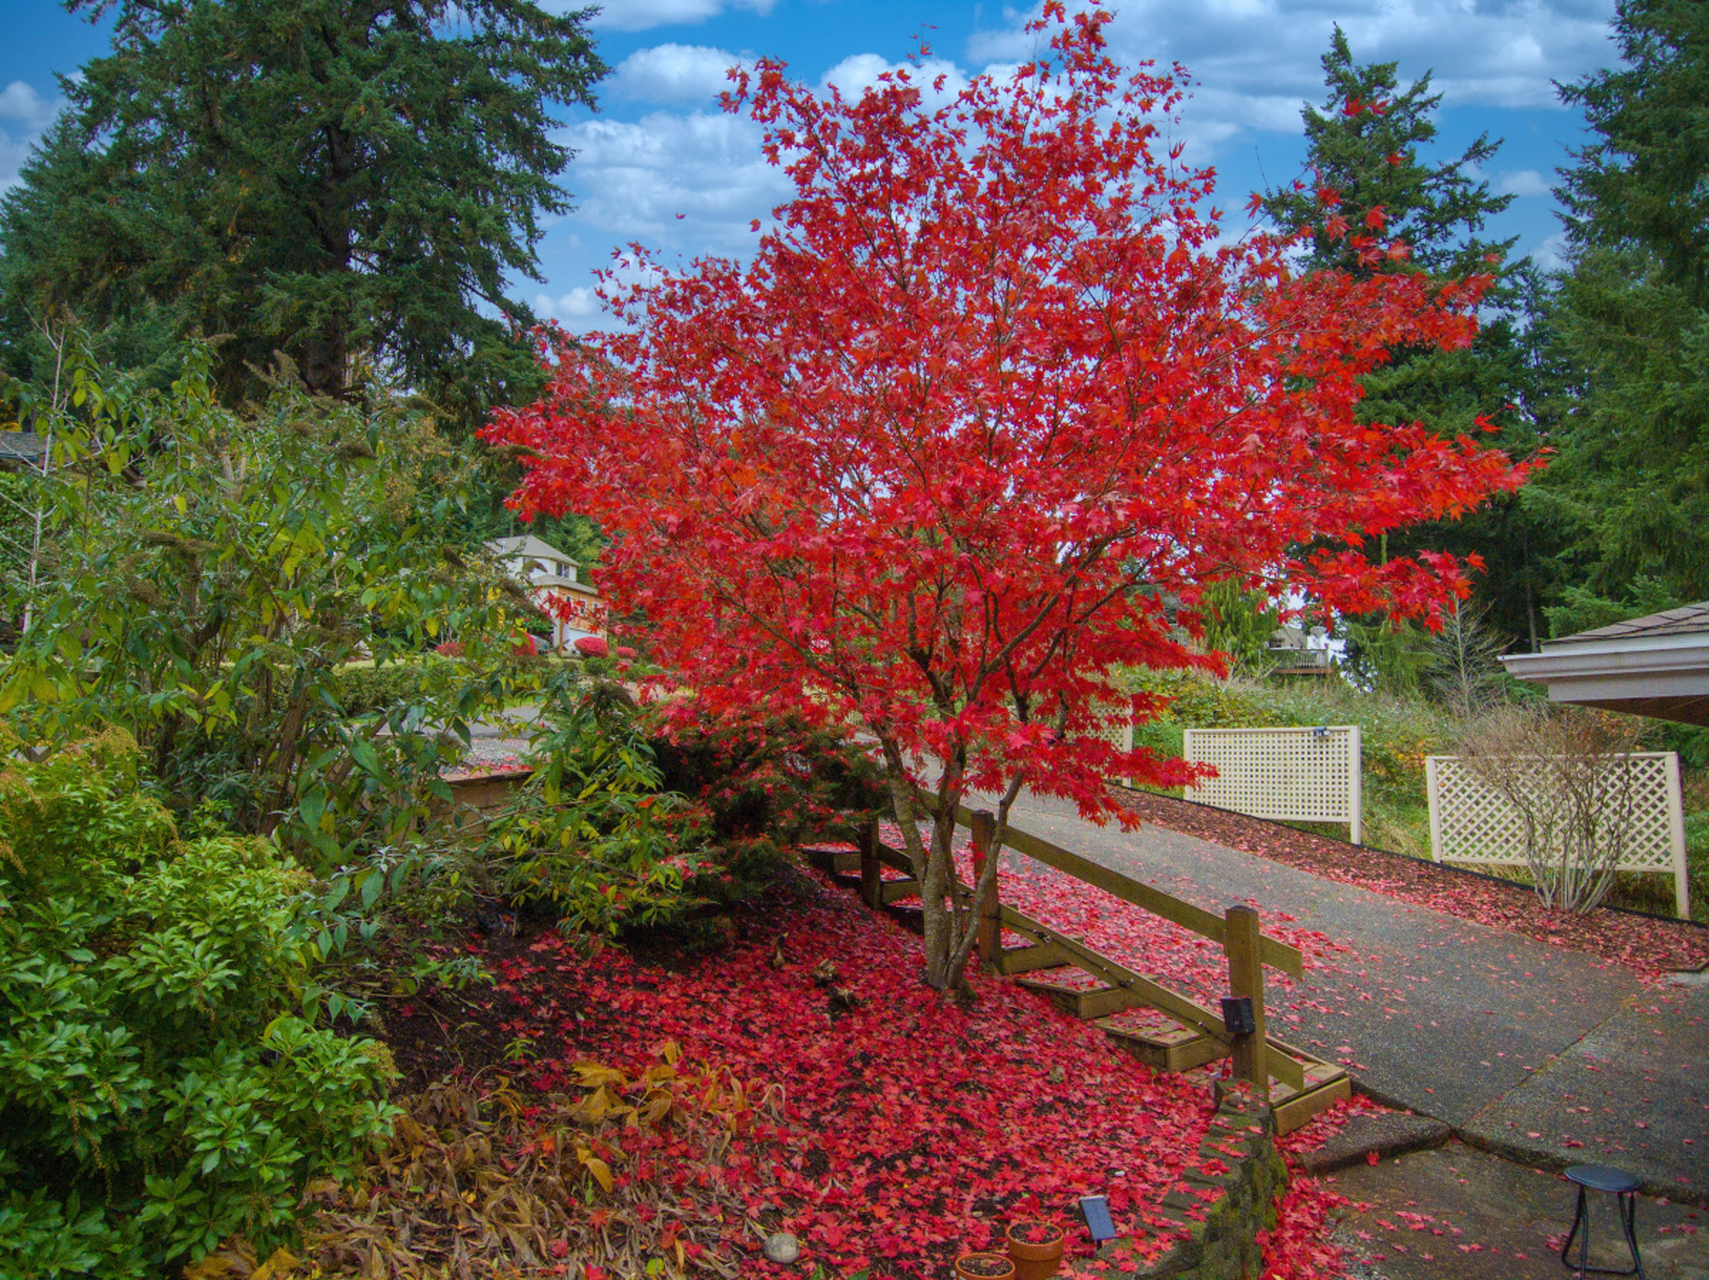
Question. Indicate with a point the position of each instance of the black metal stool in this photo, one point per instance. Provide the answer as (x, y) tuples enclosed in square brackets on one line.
[(1624, 1188)]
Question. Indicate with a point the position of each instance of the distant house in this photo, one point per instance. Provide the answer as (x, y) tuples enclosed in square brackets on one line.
[(21, 450), (574, 606), (1294, 651)]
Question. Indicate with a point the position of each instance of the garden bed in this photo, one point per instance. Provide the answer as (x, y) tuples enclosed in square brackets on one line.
[(905, 1127), (1646, 944)]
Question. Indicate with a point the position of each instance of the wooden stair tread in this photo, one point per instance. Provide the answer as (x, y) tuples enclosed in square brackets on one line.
[(1146, 1023), (1085, 996), (1294, 1109), (1054, 979), (1159, 1041), (1031, 957)]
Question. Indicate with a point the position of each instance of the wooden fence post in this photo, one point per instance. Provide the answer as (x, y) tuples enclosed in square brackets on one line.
[(871, 882), (990, 924), (1246, 978)]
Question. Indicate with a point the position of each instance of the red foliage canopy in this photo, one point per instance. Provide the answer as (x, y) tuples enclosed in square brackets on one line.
[(990, 401)]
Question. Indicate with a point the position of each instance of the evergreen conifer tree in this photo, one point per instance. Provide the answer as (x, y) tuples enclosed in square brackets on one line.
[(353, 184), (1631, 482), (1371, 174)]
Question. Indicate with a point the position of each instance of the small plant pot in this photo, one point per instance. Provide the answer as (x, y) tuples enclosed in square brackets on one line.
[(984, 1266), (1035, 1247)]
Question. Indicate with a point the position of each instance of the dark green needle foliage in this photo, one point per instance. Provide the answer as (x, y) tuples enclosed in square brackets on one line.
[(1364, 147), (354, 184), (1632, 315), (1371, 174)]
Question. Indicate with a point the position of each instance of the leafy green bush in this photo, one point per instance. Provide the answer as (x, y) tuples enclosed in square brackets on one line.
[(617, 831), (589, 837), (209, 596), (156, 1094), (363, 688)]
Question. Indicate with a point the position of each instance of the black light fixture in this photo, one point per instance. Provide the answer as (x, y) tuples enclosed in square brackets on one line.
[(1096, 1211), (1237, 1017)]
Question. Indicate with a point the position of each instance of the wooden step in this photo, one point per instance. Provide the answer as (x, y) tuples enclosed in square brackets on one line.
[(1317, 1086), (844, 860), (1083, 1002), (910, 915), (1045, 955), (1159, 1041), (1292, 1109), (895, 890)]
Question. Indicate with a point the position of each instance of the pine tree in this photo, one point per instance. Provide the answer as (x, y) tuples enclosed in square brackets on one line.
[(353, 184), (1631, 482), (1371, 185), (1364, 155), (1646, 182)]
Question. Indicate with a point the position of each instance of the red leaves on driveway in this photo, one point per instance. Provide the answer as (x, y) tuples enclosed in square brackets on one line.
[(1641, 943)]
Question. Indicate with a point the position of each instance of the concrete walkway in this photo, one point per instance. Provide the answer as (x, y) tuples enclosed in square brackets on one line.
[(1539, 1053)]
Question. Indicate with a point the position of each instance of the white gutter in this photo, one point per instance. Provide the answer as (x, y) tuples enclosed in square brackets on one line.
[(1618, 669)]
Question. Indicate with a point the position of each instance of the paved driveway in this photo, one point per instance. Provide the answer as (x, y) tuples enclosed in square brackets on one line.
[(1540, 1052)]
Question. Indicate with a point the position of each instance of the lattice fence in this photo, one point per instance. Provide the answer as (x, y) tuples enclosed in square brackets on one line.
[(1472, 822), (1286, 775)]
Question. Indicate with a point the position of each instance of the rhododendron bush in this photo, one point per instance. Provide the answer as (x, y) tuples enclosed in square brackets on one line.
[(992, 399)]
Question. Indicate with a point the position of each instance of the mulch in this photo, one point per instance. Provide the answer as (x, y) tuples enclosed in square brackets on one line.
[(1650, 945)]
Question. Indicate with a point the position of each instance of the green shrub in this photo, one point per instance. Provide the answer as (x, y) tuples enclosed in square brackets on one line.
[(156, 1096), (210, 596), (617, 831), (589, 837), (362, 688)]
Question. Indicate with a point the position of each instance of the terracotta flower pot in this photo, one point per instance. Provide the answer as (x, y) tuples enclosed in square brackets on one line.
[(984, 1266), (1036, 1248)]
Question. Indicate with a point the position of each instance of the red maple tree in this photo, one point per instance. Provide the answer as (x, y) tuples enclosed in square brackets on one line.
[(988, 408)]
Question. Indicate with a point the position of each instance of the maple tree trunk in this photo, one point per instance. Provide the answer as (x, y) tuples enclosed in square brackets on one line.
[(951, 928)]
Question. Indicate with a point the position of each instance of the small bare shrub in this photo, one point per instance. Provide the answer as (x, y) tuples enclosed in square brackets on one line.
[(1568, 776)]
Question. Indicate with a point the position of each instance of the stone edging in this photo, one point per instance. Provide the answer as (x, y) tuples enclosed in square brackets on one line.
[(1224, 1199)]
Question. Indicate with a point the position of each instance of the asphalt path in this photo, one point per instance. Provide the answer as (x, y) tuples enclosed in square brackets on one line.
[(1537, 1052)]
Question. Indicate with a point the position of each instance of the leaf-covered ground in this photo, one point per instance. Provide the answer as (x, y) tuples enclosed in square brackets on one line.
[(1642, 943), (909, 1128)]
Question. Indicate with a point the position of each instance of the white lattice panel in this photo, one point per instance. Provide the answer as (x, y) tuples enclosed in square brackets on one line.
[(1470, 821), (1286, 775)]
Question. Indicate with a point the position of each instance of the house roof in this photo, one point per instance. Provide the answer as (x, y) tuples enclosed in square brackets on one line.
[(553, 581), (1690, 619), (530, 547), (1657, 665)]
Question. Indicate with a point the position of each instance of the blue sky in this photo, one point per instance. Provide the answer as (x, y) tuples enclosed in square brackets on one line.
[(659, 147)]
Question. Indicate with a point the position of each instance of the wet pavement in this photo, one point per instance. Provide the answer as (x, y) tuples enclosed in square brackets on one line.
[(1543, 1054), (1457, 1213)]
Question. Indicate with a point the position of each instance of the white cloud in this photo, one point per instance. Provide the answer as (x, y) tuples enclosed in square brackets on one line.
[(1503, 53), (20, 101), (640, 15), (674, 181), (578, 304), (693, 73), (858, 72), (1521, 182), (1553, 254), (26, 114)]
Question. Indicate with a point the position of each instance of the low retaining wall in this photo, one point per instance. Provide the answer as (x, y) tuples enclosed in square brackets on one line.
[(476, 797), (1227, 1196)]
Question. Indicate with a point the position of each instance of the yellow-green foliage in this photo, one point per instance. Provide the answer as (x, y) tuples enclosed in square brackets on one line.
[(155, 1093)]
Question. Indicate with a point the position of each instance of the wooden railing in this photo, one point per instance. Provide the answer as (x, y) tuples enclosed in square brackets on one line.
[(1256, 1055)]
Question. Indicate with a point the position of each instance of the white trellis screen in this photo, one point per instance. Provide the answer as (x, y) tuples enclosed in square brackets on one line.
[(1470, 821), (1287, 775)]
